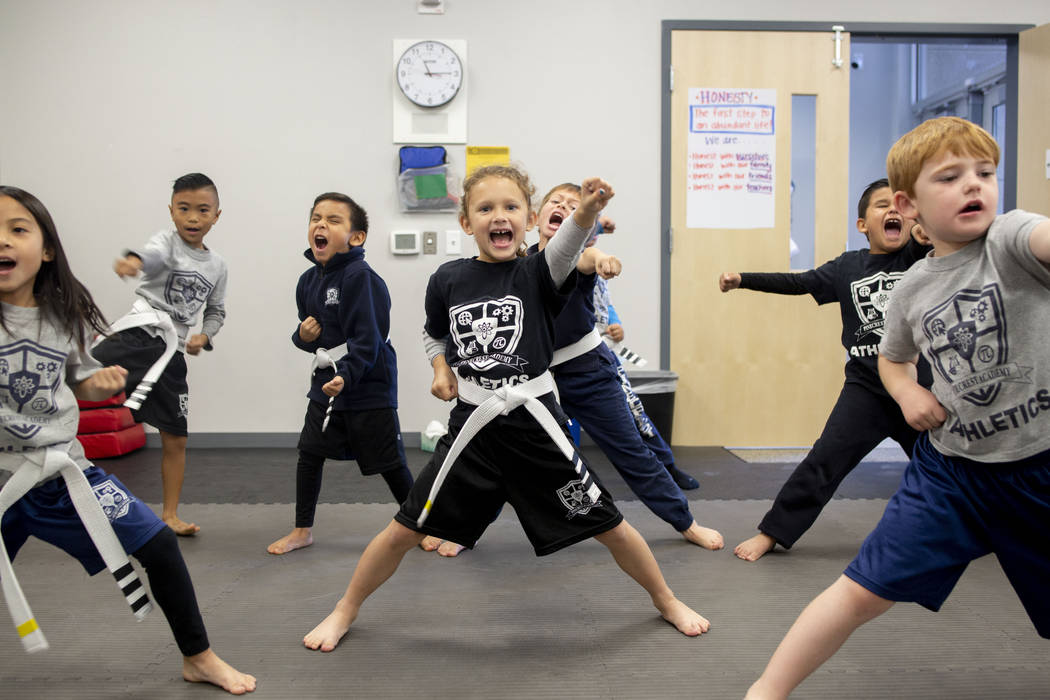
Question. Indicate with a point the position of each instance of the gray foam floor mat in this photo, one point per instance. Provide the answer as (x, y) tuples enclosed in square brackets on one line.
[(497, 622)]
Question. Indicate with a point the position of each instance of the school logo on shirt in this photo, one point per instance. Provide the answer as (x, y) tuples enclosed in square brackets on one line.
[(186, 291), (968, 345), (871, 296), (115, 502), (331, 297), (30, 374), (487, 332)]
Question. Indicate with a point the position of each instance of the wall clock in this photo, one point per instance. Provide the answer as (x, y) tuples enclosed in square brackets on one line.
[(430, 91), (429, 73)]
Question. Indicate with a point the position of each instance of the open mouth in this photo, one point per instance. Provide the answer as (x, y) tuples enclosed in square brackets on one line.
[(6, 264), (320, 242), (501, 238), (972, 207), (893, 227), (556, 219)]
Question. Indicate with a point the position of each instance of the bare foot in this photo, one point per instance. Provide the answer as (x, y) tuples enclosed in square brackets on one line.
[(685, 619), (449, 548), (430, 543), (753, 548), (326, 635), (181, 527), (298, 538), (704, 536), (207, 667)]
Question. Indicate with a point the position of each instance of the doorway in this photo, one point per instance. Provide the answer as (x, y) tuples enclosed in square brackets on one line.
[(754, 395)]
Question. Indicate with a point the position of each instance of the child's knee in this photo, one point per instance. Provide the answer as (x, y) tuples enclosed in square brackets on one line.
[(172, 441), (860, 601), (159, 551), (621, 534), (401, 537)]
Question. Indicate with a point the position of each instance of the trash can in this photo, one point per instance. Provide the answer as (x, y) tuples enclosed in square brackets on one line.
[(655, 388)]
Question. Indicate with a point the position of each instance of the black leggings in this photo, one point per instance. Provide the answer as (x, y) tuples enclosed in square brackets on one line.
[(169, 580), (308, 472), (860, 420)]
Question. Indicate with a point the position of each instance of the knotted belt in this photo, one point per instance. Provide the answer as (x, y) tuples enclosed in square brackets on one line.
[(499, 402), (326, 358), (573, 350), (39, 465), (158, 323)]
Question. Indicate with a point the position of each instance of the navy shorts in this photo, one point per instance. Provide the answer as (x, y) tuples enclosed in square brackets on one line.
[(371, 437), (949, 511), (516, 464), (136, 350), (47, 513)]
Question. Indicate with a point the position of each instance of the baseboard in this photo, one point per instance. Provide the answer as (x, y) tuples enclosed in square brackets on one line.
[(242, 440)]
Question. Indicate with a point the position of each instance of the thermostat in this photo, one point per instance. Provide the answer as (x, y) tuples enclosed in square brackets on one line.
[(404, 242)]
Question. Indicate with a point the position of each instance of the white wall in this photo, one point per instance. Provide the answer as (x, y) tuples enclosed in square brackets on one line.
[(105, 102)]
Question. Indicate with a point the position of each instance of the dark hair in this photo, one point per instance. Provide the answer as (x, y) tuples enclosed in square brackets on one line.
[(58, 293), (358, 216), (193, 181), (865, 197)]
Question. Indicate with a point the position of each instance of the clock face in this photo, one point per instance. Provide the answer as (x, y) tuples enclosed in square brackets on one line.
[(429, 73)]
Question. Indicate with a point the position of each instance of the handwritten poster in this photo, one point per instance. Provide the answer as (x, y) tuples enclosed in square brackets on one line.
[(732, 158)]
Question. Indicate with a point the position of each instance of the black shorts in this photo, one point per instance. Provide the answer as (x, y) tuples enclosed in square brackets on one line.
[(168, 403), (372, 437), (519, 465)]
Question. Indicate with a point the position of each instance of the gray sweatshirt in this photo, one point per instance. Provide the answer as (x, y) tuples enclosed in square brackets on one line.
[(38, 366), (181, 280)]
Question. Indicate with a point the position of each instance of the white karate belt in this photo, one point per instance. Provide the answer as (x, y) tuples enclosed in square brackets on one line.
[(499, 402), (158, 323), (573, 350), (39, 465), (326, 358)]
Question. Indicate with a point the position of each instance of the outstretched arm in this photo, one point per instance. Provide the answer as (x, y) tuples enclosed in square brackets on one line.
[(1039, 242), (128, 266), (920, 407), (595, 193), (728, 281), (593, 261), (563, 251)]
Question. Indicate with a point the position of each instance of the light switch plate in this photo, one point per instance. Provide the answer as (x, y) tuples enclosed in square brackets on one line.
[(430, 243), (453, 243)]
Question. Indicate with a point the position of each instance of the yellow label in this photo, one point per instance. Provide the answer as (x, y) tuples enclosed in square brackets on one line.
[(27, 628), (478, 156)]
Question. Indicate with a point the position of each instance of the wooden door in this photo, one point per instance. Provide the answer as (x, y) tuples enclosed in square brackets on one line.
[(757, 369), (1033, 127)]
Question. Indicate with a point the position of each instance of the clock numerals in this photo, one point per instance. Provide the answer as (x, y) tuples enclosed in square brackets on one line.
[(429, 73)]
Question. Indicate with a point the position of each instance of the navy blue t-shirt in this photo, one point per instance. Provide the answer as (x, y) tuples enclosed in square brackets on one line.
[(498, 321), (861, 283)]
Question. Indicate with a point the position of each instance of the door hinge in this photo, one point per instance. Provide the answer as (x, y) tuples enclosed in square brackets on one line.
[(670, 78)]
